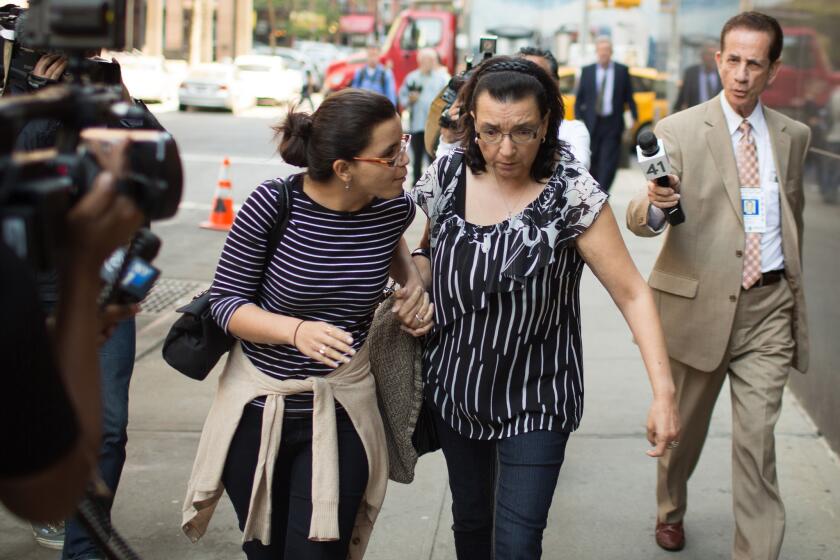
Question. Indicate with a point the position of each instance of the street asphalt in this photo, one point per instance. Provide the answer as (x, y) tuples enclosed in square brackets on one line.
[(603, 506)]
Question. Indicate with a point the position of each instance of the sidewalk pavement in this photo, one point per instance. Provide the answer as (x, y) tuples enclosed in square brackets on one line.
[(604, 503)]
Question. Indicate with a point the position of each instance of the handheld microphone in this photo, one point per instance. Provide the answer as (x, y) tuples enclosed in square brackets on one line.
[(653, 159), (129, 274)]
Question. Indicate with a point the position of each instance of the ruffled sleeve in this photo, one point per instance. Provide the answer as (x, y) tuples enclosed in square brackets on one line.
[(426, 191), (432, 196)]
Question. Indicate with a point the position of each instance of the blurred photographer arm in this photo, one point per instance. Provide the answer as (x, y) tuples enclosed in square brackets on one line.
[(52, 430)]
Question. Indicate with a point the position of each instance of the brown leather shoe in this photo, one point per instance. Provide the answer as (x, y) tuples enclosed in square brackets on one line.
[(670, 536)]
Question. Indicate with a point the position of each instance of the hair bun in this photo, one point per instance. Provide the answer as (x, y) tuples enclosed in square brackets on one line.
[(295, 131), (300, 125)]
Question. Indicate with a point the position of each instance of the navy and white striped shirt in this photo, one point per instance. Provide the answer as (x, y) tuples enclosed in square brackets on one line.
[(329, 266), (505, 355)]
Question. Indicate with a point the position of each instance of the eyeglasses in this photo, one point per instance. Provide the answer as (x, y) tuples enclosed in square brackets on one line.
[(518, 136), (405, 140)]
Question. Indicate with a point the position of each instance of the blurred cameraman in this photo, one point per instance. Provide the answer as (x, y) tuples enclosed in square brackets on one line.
[(51, 405), (116, 357), (50, 70), (419, 89)]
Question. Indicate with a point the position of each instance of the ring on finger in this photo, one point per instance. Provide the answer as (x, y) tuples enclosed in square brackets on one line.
[(673, 444), (322, 349)]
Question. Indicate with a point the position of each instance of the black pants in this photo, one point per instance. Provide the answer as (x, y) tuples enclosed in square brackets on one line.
[(606, 146), (501, 491), (292, 489), (418, 153)]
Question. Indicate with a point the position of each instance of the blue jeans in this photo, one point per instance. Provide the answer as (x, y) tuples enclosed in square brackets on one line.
[(116, 362), (501, 491)]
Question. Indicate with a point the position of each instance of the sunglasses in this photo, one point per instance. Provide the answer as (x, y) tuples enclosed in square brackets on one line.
[(405, 140)]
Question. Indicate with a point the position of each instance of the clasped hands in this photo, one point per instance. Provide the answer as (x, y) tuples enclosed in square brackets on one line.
[(414, 309)]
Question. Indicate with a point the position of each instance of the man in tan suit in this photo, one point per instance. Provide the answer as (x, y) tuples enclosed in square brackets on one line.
[(728, 281)]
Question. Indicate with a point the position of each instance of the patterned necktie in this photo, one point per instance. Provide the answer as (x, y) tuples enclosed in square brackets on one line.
[(749, 177), (599, 102)]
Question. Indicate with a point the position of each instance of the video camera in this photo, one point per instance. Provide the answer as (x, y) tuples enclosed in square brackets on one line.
[(486, 49), (38, 188), (64, 27)]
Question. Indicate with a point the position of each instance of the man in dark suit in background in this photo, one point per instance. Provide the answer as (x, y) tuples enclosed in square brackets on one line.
[(701, 81), (604, 89)]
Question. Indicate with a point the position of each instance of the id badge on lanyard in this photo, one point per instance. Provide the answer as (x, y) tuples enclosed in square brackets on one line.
[(754, 210)]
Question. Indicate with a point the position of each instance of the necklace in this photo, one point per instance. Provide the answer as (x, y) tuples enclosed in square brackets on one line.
[(504, 201)]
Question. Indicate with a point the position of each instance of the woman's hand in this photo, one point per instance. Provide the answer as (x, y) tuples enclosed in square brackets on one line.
[(414, 309), (324, 343), (663, 426)]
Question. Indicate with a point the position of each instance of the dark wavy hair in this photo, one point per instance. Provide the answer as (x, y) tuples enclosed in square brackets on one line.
[(509, 79), (341, 128)]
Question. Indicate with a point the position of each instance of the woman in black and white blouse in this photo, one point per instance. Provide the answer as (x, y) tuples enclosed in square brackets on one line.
[(509, 235)]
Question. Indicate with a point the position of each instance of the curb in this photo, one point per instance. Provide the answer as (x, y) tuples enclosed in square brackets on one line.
[(152, 335)]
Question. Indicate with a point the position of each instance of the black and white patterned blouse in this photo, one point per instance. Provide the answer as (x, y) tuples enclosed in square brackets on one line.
[(505, 355), (329, 266)]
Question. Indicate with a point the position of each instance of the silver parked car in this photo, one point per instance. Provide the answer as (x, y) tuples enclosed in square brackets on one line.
[(268, 78), (215, 85)]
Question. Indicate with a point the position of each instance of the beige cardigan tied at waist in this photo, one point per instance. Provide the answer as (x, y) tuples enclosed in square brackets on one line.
[(240, 383)]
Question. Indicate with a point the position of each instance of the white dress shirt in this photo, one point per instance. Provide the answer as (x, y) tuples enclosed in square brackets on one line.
[(772, 257), (608, 86), (576, 135)]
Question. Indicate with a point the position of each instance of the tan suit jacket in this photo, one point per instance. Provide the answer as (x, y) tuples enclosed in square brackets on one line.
[(696, 280)]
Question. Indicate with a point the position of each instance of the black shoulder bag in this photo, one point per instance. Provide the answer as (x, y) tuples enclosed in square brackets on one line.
[(195, 342)]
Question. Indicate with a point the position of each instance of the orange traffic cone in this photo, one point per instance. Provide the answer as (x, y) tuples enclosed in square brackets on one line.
[(221, 215)]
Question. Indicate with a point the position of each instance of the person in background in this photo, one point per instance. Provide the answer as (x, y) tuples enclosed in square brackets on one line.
[(417, 92), (307, 88), (605, 88), (829, 169), (573, 132), (700, 81), (728, 281), (375, 76)]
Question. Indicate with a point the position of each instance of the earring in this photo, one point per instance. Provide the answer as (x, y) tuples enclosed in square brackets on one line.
[(543, 140), (347, 185)]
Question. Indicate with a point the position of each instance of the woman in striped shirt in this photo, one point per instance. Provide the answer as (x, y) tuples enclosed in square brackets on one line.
[(510, 233), (311, 310)]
